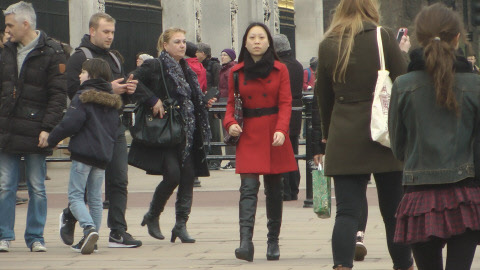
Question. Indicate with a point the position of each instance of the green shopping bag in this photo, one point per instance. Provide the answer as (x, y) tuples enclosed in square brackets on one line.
[(322, 193)]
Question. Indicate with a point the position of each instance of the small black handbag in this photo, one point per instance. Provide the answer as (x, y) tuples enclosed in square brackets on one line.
[(159, 132), (237, 114)]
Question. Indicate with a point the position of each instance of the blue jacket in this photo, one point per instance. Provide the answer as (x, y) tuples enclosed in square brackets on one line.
[(436, 145), (91, 121)]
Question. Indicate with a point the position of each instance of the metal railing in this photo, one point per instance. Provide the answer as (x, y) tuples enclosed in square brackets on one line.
[(220, 107)]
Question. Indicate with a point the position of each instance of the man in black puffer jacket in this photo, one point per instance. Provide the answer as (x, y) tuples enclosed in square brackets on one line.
[(32, 100)]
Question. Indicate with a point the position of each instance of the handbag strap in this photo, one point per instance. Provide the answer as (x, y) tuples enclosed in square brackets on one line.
[(236, 92), (163, 77), (380, 48)]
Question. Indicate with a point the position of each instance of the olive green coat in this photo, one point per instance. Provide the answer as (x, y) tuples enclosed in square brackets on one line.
[(345, 108)]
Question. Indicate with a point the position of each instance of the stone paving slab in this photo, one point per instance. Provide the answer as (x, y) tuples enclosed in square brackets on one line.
[(305, 240)]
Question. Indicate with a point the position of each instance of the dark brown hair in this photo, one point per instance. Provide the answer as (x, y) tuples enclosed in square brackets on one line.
[(97, 68), (244, 50), (437, 28)]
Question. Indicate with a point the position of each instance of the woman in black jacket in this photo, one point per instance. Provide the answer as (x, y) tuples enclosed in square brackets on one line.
[(178, 164)]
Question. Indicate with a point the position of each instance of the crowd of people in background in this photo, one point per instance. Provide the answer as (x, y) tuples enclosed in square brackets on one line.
[(427, 182)]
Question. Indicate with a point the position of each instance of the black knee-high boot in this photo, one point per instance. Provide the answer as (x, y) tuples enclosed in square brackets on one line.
[(274, 202), (247, 210), (151, 218), (183, 207)]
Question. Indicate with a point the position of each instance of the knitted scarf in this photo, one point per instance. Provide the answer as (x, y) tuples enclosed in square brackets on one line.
[(188, 94)]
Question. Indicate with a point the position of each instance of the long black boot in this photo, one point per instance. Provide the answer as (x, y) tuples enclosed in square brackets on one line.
[(151, 218), (247, 210), (274, 202), (183, 205)]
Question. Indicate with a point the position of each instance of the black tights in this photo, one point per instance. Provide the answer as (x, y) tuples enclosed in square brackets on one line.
[(460, 252)]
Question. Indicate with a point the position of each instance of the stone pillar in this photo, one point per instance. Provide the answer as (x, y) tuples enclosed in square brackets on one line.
[(216, 25), (80, 12), (309, 29), (185, 14)]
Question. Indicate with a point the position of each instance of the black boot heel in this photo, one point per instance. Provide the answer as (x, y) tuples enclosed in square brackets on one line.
[(153, 226), (245, 251), (273, 252), (181, 232)]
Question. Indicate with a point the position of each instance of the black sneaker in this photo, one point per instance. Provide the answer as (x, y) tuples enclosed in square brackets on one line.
[(67, 227), (88, 243), (123, 240)]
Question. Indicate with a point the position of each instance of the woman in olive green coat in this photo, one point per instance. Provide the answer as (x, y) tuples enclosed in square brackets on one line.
[(346, 78)]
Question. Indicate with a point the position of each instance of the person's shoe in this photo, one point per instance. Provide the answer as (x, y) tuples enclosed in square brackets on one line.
[(123, 240), (38, 247), (88, 242), (273, 251), (287, 197), (4, 245), (21, 200), (67, 228), (76, 248), (360, 249), (229, 166), (213, 166), (196, 182), (294, 197), (245, 251), (180, 231), (106, 204), (153, 225), (47, 177)]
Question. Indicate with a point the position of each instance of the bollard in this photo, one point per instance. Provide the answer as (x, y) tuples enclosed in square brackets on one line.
[(308, 102)]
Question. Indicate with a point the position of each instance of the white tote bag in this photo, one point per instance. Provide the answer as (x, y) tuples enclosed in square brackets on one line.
[(381, 100)]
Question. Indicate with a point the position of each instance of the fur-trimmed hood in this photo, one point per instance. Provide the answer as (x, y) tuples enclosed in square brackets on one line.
[(102, 98)]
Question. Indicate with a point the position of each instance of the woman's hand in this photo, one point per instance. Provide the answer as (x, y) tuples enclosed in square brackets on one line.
[(158, 109), (317, 159), (235, 130), (210, 102), (278, 138)]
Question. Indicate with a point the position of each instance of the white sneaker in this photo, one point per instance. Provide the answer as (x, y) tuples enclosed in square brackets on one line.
[(360, 248), (38, 247), (4, 245)]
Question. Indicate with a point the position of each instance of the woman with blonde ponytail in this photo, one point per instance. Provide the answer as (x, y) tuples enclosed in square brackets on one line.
[(346, 76), (434, 127)]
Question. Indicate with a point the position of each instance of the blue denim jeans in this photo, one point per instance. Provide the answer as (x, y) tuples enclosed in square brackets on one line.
[(85, 176), (37, 205)]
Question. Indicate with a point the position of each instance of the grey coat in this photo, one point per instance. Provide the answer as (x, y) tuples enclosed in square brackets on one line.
[(345, 108)]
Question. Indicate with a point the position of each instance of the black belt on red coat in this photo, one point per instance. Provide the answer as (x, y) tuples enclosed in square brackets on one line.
[(259, 111)]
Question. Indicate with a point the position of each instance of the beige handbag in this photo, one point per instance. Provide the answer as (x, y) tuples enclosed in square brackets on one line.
[(381, 100)]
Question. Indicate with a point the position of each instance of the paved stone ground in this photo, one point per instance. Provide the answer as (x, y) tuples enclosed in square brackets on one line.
[(305, 239)]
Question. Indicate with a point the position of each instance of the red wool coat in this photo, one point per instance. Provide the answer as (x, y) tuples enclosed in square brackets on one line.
[(255, 153)]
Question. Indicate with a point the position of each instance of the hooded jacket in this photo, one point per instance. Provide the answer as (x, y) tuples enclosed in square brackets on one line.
[(32, 101), (92, 121), (201, 72)]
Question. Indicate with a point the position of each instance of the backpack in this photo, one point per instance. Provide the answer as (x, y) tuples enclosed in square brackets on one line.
[(89, 55), (309, 74)]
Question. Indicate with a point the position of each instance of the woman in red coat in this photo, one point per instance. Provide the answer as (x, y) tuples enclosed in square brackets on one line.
[(264, 86)]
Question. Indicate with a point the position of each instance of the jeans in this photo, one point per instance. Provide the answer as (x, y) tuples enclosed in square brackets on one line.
[(37, 205), (350, 193), (116, 182), (85, 176)]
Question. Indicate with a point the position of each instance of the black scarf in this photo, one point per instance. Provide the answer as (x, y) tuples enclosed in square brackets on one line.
[(261, 68), (417, 62)]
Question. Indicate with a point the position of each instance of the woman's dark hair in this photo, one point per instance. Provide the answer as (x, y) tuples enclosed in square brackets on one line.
[(244, 50), (97, 69), (437, 28)]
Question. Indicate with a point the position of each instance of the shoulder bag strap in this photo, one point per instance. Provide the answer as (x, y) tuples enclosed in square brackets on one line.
[(235, 79), (163, 77), (380, 48)]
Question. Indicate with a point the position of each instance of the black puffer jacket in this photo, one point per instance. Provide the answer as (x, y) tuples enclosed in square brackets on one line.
[(74, 65), (33, 101), (295, 70), (213, 66), (92, 121)]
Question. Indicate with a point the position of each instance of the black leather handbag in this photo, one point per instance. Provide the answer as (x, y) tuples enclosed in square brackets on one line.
[(159, 132), (237, 114)]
